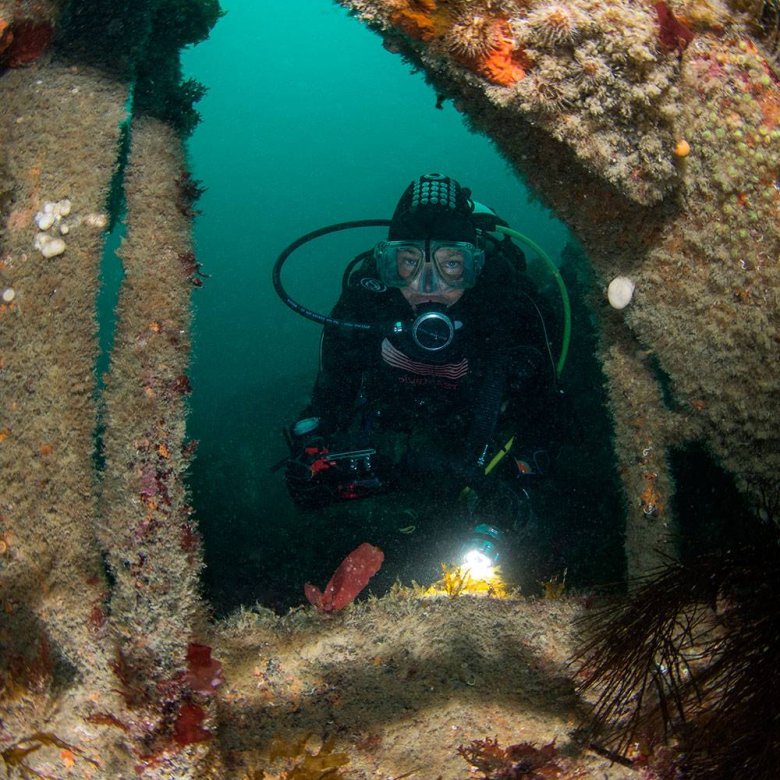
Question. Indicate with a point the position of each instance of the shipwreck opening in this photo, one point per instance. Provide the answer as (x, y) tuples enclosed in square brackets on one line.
[(254, 360)]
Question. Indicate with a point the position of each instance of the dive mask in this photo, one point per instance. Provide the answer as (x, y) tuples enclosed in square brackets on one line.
[(429, 266)]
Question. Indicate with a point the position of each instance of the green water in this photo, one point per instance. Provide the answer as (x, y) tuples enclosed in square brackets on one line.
[(308, 121)]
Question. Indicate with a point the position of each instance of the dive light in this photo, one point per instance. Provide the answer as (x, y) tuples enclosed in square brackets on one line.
[(482, 551)]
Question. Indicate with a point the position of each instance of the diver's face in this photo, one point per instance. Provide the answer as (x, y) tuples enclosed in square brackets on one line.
[(429, 279)]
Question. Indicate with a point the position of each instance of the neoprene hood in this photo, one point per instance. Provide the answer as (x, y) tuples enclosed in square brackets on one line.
[(434, 207)]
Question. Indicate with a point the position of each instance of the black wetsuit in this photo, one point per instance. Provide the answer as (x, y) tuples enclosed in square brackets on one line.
[(444, 406)]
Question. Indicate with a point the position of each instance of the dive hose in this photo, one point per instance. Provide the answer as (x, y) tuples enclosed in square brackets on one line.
[(325, 319), (276, 275)]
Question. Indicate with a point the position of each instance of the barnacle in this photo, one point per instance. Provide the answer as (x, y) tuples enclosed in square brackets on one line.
[(570, 127), (705, 14), (613, 17)]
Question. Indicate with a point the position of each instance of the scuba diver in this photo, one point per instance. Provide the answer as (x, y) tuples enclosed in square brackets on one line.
[(436, 366)]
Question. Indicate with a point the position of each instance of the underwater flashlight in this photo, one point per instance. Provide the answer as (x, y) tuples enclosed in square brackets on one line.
[(482, 551)]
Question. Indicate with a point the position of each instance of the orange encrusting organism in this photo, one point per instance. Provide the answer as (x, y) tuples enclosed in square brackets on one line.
[(770, 111), (504, 65), (651, 500), (421, 20), (6, 36), (485, 46), (501, 63)]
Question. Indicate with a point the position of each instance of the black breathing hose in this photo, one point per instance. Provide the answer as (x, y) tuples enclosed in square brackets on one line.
[(299, 308)]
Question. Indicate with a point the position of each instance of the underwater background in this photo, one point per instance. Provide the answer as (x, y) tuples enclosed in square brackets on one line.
[(308, 123)]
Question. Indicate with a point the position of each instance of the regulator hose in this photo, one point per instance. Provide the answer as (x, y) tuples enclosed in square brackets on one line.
[(276, 276), (325, 319)]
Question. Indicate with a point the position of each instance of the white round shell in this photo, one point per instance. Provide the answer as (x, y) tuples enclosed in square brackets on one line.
[(620, 292)]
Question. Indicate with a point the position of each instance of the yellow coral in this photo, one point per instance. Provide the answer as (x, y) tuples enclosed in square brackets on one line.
[(458, 580)]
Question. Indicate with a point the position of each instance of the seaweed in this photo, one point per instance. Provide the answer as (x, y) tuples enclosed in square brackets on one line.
[(522, 761), (141, 41), (305, 765), (188, 191), (457, 580)]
